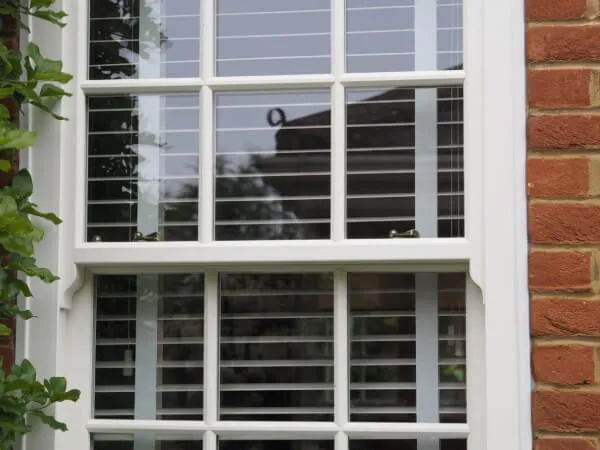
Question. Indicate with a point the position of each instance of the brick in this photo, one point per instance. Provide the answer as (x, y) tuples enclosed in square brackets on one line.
[(564, 132), (565, 444), (559, 88), (560, 271), (563, 364), (566, 411), (568, 177), (555, 9), (563, 43), (564, 222), (565, 317)]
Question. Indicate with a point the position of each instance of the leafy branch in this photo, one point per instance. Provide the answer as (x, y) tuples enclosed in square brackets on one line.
[(26, 78)]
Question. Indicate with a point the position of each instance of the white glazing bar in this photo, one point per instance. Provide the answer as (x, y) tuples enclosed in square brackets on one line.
[(407, 431), (207, 168), (341, 355), (208, 33), (425, 78), (210, 441), (146, 339), (420, 78), (341, 441), (211, 347), (338, 121), (207, 141), (132, 426), (426, 211)]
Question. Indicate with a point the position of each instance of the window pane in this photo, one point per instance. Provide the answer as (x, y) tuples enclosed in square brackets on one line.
[(149, 347), (271, 37), (404, 162), (276, 347), (396, 35), (399, 371), (273, 165), (410, 444), (143, 167), (276, 445), (144, 39), (145, 440)]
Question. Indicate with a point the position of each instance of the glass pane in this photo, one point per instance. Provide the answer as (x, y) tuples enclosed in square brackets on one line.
[(409, 444), (398, 373), (145, 440), (404, 162), (276, 445), (395, 35), (143, 167), (271, 37), (149, 347), (273, 165), (144, 39), (276, 347)]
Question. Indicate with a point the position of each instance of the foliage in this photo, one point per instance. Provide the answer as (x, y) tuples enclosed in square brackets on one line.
[(26, 78)]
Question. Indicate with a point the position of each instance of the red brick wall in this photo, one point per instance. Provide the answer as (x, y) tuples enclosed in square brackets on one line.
[(564, 220), (10, 36)]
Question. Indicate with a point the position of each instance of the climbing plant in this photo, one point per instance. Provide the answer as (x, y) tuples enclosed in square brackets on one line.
[(27, 79)]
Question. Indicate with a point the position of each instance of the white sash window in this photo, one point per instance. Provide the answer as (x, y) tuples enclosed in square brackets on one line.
[(280, 231)]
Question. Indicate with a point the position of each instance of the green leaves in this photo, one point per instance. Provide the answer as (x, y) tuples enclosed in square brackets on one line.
[(14, 138), (25, 78), (22, 396)]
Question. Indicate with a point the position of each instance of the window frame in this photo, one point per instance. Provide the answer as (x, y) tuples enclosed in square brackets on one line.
[(495, 206)]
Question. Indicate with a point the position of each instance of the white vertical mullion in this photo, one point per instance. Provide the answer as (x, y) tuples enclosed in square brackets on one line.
[(207, 167), (341, 357), (208, 38), (206, 163), (211, 348), (341, 441), (426, 211), (338, 121)]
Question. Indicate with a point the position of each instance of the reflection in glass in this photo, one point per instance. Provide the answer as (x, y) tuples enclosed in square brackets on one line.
[(144, 39), (386, 35), (272, 175), (258, 37), (385, 351), (276, 347), (276, 445), (394, 138), (149, 347), (146, 440), (408, 444), (143, 167)]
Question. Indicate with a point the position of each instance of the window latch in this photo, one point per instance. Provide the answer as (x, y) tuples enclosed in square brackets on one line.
[(152, 237), (409, 234)]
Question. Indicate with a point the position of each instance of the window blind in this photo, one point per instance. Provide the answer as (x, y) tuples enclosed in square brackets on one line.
[(149, 347), (149, 39), (272, 175), (143, 167), (276, 347), (258, 37)]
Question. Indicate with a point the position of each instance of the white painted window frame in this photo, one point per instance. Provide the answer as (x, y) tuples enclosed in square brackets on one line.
[(494, 250)]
